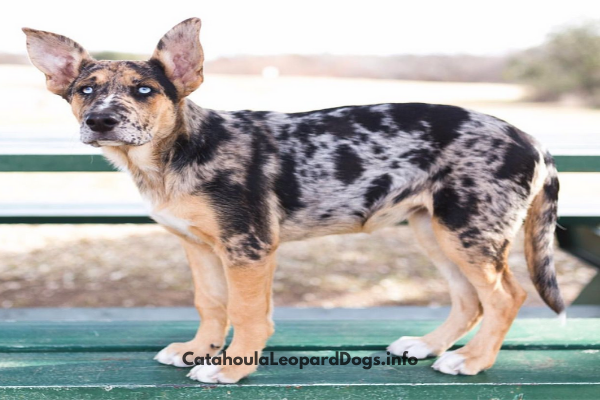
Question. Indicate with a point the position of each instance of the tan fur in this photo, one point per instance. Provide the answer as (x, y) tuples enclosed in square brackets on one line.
[(466, 308), (500, 295), (210, 299), (250, 307)]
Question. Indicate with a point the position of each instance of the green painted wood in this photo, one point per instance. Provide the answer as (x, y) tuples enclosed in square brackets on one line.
[(531, 374), (54, 163), (592, 219), (289, 335), (574, 163), (75, 219), (97, 218), (97, 163)]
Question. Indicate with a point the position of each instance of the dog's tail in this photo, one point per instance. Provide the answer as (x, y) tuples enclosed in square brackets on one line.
[(539, 239)]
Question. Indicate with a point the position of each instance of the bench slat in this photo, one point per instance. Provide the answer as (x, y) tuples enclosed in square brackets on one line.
[(112, 213), (290, 335), (533, 374), (97, 163)]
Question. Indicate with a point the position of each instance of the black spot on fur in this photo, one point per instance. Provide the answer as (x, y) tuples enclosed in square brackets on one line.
[(368, 118), (310, 149), (469, 237), (444, 121), (377, 149), (251, 247), (239, 211), (402, 195), (470, 143), (447, 206), (348, 165), (437, 125), (198, 147), (500, 259), (339, 126), (229, 201), (441, 174), (422, 157), (551, 189), (497, 143), (287, 188), (467, 181), (519, 160), (409, 117), (284, 133), (378, 189)]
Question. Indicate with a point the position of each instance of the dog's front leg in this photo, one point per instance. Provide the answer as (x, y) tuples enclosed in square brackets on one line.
[(249, 310), (210, 299)]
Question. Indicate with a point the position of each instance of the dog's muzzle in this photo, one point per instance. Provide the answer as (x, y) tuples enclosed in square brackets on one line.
[(102, 122), (102, 125)]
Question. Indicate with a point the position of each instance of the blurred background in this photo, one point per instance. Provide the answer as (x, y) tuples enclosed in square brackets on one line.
[(535, 64)]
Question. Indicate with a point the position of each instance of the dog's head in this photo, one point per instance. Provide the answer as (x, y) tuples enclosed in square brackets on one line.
[(121, 102)]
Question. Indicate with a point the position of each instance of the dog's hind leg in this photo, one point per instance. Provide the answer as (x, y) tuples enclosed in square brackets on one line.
[(466, 308), (210, 299), (500, 294)]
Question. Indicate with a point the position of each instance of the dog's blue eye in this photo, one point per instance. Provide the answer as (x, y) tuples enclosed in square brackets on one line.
[(144, 90), (87, 90)]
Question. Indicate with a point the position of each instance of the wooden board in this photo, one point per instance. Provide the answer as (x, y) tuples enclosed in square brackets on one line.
[(77, 162), (289, 335), (113, 360), (536, 374)]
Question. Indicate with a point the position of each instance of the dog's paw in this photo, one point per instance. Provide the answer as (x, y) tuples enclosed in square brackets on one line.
[(456, 362), (169, 356), (173, 353), (450, 363), (413, 345), (209, 374)]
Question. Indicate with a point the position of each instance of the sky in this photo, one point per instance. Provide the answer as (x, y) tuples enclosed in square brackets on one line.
[(369, 27)]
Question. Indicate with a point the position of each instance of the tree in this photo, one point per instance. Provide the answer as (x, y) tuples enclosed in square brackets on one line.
[(567, 63)]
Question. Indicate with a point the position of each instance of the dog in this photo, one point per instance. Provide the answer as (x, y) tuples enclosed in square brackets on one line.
[(234, 185)]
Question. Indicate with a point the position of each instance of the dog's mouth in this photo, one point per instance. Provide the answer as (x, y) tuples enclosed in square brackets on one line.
[(113, 138), (104, 142), (110, 143)]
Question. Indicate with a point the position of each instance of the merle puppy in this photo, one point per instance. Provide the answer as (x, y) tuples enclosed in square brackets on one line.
[(234, 185)]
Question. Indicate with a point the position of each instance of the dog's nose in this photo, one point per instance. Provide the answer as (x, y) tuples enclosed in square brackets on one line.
[(101, 122)]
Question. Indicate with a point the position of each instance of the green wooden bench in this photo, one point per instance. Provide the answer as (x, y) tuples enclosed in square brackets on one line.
[(113, 360), (88, 360)]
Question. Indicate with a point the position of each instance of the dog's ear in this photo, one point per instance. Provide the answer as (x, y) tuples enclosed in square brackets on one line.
[(59, 57), (181, 55)]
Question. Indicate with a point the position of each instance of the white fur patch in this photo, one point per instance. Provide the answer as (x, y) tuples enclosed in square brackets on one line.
[(170, 358), (166, 218), (562, 318), (450, 363), (105, 103), (415, 347), (109, 143), (209, 374)]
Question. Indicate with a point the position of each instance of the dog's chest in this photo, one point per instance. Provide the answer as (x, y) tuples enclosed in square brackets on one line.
[(174, 223), (166, 218)]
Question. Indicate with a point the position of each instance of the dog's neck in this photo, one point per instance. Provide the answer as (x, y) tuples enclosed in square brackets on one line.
[(147, 164)]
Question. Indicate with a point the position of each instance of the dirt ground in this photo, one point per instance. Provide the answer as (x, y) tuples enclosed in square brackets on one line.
[(128, 265)]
